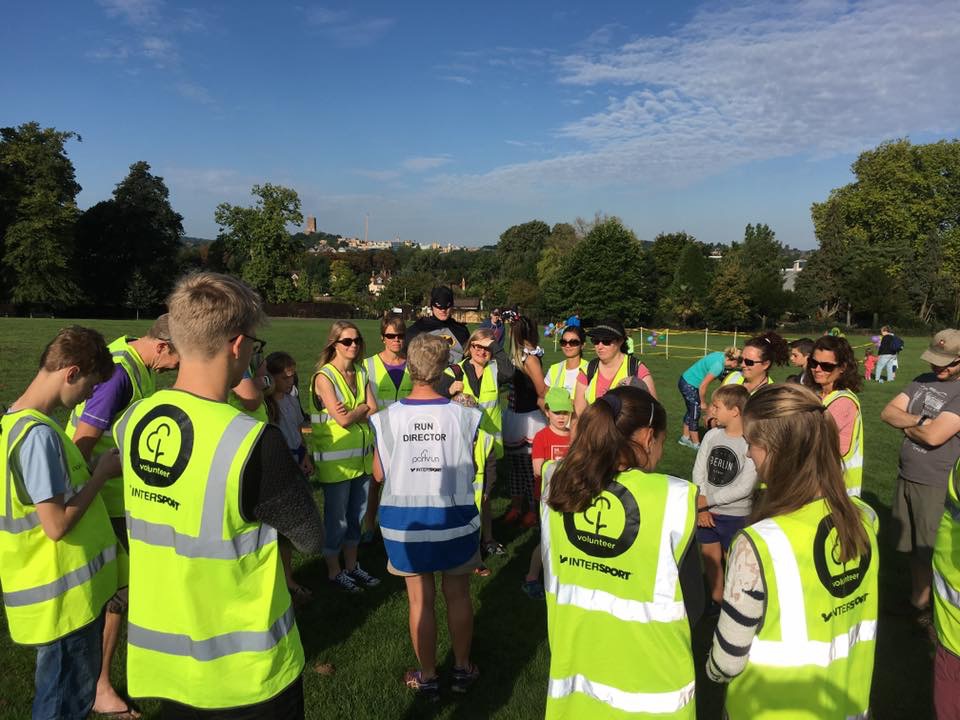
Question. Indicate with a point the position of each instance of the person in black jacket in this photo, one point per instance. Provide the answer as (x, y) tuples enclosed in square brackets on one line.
[(890, 346), (441, 324)]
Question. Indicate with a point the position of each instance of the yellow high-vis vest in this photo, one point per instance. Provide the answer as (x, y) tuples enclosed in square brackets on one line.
[(620, 376), (619, 636), (946, 569), (737, 378), (853, 459), (481, 454), (143, 381), (211, 623), (340, 453), (813, 655), (558, 372), (385, 392), (488, 401), (50, 588)]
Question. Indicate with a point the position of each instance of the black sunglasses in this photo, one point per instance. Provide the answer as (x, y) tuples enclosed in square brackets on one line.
[(750, 363), (570, 343), (393, 336), (825, 366), (605, 341), (347, 342), (258, 344), (478, 346)]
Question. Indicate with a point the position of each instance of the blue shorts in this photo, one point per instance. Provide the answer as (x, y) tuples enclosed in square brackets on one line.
[(727, 527)]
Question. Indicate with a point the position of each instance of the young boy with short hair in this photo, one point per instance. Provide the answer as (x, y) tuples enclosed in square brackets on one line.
[(58, 552), (549, 444), (727, 479)]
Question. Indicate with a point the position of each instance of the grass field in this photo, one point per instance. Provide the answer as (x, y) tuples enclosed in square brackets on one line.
[(366, 638)]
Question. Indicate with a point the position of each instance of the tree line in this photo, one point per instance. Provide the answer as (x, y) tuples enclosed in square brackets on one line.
[(888, 251)]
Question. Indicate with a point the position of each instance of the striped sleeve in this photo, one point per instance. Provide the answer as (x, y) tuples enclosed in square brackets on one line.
[(740, 616)]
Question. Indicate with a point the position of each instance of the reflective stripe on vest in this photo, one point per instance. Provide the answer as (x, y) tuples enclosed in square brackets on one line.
[(946, 569), (853, 459), (488, 400), (557, 374), (431, 535), (17, 598), (381, 384), (647, 703), (340, 453), (618, 376), (214, 647)]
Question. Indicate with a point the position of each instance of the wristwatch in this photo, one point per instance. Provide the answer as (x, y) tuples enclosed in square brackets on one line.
[(922, 420)]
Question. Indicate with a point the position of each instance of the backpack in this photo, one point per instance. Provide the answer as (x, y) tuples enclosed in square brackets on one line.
[(633, 364), (897, 344)]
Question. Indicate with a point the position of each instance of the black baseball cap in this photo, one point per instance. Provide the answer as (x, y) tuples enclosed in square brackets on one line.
[(441, 296), (607, 330)]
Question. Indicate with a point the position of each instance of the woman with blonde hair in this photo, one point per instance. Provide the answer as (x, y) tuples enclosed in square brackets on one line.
[(796, 635), (340, 403), (623, 587), (693, 386)]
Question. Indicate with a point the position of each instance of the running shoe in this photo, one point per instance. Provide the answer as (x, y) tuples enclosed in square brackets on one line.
[(533, 589), (463, 678), (429, 689), (344, 582), (362, 578), (492, 547)]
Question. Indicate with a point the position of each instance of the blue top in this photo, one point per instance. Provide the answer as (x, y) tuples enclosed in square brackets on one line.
[(41, 465), (711, 364)]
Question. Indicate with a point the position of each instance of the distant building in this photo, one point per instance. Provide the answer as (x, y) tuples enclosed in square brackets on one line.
[(378, 281), (311, 225), (467, 310), (715, 255), (790, 274)]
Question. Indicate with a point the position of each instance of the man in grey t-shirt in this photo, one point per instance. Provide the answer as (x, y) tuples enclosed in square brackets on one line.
[(928, 412)]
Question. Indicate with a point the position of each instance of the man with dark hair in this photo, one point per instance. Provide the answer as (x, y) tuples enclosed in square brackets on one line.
[(890, 347), (495, 323), (441, 324), (58, 554)]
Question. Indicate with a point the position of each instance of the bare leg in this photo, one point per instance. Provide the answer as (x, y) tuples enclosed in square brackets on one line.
[(421, 594), (333, 564), (486, 520), (107, 699), (373, 505), (713, 568), (456, 591), (536, 565), (350, 557), (695, 436)]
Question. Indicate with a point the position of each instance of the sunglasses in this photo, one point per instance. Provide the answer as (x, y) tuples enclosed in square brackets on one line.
[(750, 363), (348, 342), (825, 366), (605, 341), (478, 346), (393, 336), (570, 343), (951, 365)]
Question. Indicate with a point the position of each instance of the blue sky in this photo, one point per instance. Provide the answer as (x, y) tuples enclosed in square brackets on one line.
[(451, 121)]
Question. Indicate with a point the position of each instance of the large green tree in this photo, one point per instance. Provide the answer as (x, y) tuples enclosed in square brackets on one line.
[(762, 257), (136, 232), (256, 243), (519, 249), (607, 275), (727, 307), (38, 190), (686, 297), (890, 236)]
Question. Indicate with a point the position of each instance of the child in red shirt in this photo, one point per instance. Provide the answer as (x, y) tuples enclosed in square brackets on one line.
[(869, 363), (551, 443)]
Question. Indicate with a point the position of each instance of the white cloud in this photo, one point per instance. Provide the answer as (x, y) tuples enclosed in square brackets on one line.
[(345, 30), (136, 12), (197, 93), (378, 175), (422, 164), (459, 79), (735, 85), (160, 51)]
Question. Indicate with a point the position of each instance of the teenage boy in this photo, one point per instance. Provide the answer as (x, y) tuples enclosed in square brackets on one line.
[(726, 478), (890, 347), (549, 444), (800, 351), (211, 630), (928, 412), (451, 331), (58, 553), (136, 363)]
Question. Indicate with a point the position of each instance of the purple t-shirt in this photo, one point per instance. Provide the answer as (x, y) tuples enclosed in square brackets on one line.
[(108, 400), (395, 372)]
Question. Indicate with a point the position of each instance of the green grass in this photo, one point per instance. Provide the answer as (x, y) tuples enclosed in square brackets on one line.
[(367, 638)]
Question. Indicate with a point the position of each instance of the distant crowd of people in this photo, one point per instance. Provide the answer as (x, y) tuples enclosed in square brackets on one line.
[(181, 507)]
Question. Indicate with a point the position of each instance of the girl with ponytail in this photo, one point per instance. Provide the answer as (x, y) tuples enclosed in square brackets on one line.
[(623, 588), (810, 552)]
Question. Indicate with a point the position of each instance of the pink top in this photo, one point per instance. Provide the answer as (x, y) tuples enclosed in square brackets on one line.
[(844, 412), (603, 383), (869, 363)]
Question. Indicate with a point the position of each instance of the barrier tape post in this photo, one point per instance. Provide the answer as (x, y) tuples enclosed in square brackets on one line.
[(735, 337), (641, 339), (668, 343)]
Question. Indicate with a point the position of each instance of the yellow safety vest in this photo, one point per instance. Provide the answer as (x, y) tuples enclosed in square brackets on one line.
[(737, 378), (853, 459), (340, 453), (620, 375), (50, 588), (211, 624), (385, 393), (557, 374), (619, 636), (946, 569), (260, 414), (481, 453), (488, 401), (143, 381), (813, 655)]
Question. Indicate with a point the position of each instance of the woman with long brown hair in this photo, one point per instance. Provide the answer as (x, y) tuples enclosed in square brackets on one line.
[(622, 587), (796, 635), (759, 355), (340, 403)]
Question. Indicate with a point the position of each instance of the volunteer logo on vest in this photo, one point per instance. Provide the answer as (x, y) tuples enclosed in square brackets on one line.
[(161, 446), (722, 466), (422, 430), (608, 527), (838, 579)]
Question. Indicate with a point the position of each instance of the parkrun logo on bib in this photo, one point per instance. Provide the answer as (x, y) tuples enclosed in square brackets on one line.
[(160, 448), (608, 527), (424, 436), (840, 580)]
